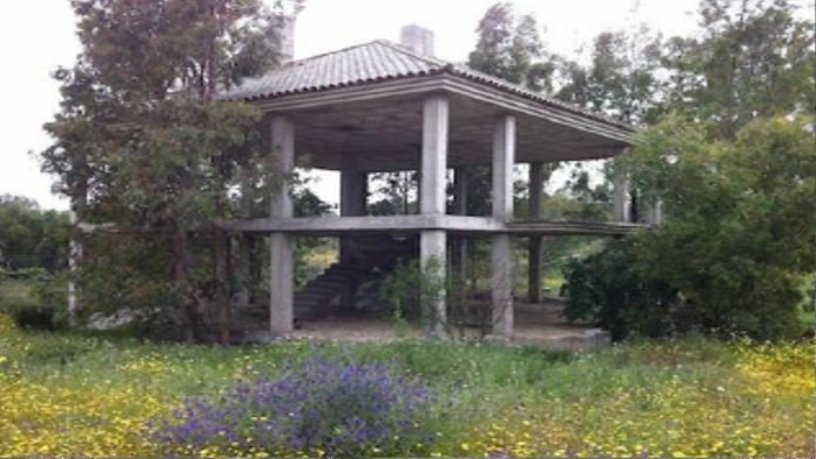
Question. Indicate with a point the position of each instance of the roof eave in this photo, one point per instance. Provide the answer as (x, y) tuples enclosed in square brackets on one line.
[(446, 80)]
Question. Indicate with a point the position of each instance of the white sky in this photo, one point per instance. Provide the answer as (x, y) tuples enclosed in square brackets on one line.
[(36, 36)]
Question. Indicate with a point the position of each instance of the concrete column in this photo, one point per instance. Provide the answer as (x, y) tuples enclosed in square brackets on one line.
[(353, 195), (460, 203), (353, 192), (75, 251), (432, 245), (432, 189), (434, 155), (504, 152), (534, 243), (620, 198), (654, 213), (281, 266)]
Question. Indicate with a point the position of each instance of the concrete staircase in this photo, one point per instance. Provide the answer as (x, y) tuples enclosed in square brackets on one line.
[(372, 258), (367, 262)]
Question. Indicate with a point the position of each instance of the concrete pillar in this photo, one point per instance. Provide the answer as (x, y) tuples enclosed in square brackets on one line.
[(504, 152), (433, 172), (460, 204), (534, 243), (353, 192), (432, 190), (432, 245), (353, 195), (620, 198), (654, 213), (281, 266), (75, 250)]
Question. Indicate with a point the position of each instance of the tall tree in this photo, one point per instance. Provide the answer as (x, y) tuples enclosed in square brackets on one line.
[(755, 58), (621, 79), (510, 47), (141, 139)]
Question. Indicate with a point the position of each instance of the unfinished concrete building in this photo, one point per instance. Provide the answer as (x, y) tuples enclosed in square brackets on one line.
[(382, 106)]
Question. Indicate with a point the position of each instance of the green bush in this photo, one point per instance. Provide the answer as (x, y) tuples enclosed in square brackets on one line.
[(737, 242), (610, 289), (29, 297), (634, 287)]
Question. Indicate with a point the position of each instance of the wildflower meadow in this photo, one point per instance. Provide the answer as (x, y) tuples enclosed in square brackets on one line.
[(81, 395)]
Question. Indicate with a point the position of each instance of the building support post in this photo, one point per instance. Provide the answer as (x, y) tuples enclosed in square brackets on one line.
[(281, 265), (353, 196), (534, 242), (460, 204), (432, 190), (620, 198), (75, 252), (654, 213), (504, 152)]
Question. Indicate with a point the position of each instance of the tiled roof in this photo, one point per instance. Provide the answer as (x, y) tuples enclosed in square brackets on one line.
[(371, 62)]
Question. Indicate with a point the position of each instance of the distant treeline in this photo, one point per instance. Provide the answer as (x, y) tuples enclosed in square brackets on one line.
[(31, 237)]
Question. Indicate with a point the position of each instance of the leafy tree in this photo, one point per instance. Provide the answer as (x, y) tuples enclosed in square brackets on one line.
[(30, 237), (510, 48), (741, 230), (621, 79), (141, 140), (755, 58), (397, 190)]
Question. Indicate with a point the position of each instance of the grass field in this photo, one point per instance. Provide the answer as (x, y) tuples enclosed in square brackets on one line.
[(72, 395)]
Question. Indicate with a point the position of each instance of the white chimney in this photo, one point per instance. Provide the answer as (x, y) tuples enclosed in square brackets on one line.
[(417, 39), (283, 29)]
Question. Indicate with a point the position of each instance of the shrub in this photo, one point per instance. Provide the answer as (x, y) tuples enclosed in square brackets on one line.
[(740, 224), (29, 297), (610, 289), (322, 409)]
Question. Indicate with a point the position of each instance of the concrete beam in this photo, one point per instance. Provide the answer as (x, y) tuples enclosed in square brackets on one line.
[(504, 153), (332, 225), (281, 267)]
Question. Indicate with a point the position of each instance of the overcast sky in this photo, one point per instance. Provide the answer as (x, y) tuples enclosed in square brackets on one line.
[(37, 36)]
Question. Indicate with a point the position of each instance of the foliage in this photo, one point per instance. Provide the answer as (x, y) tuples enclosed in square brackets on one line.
[(510, 48), (307, 204), (71, 395), (143, 143), (612, 289), (399, 191), (28, 297), (753, 59), (621, 79), (323, 410), (412, 291), (741, 231), (30, 237), (737, 244)]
